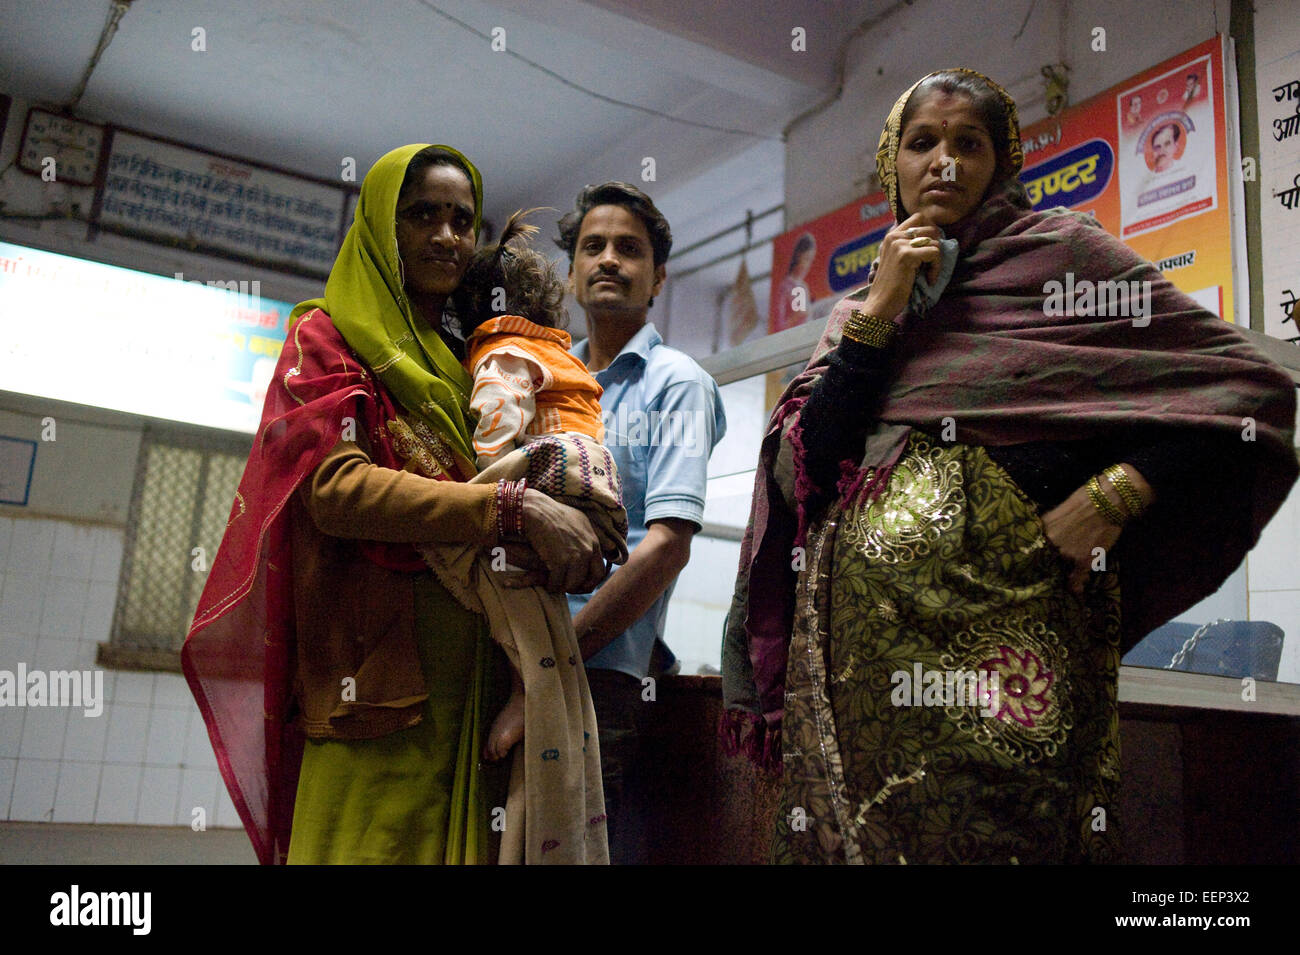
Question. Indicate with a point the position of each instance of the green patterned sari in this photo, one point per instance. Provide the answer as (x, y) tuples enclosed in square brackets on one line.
[(948, 699)]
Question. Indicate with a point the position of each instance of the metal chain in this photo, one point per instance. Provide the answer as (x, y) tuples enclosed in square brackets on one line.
[(1190, 644)]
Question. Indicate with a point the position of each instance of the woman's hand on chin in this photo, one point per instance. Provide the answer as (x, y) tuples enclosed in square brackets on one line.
[(903, 251)]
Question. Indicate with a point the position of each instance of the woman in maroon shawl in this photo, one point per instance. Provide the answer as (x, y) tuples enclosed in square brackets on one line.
[(972, 501), (344, 689)]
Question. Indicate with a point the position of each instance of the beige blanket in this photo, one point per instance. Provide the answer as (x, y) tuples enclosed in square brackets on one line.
[(555, 812)]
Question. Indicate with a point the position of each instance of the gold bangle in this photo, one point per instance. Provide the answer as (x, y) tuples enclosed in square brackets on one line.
[(1124, 487), (869, 330), (1102, 503)]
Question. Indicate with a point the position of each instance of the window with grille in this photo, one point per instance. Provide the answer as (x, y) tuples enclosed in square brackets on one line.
[(184, 486)]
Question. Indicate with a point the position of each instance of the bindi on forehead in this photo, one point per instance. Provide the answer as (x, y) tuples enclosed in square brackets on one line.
[(957, 124)]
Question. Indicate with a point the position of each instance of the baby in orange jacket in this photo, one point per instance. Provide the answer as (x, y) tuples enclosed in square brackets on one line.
[(526, 384), (510, 306)]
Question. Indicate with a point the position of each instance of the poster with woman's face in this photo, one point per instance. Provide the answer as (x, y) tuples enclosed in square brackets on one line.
[(1167, 149)]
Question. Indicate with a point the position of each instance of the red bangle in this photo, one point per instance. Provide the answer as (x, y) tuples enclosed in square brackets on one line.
[(518, 511), (510, 509), (499, 509)]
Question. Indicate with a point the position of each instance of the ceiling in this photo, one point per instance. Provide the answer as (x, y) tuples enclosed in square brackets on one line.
[(302, 84)]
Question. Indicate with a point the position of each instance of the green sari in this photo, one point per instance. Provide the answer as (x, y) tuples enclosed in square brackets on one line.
[(949, 571), (420, 795)]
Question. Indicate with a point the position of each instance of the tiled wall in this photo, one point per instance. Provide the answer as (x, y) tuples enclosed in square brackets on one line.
[(146, 758)]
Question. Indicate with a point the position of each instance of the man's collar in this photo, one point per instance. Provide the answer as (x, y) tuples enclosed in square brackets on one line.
[(646, 338), (640, 344)]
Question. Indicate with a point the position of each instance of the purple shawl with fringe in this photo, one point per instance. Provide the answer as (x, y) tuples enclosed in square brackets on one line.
[(990, 357)]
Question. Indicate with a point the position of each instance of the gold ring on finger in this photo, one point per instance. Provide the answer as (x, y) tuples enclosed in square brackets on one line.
[(921, 242)]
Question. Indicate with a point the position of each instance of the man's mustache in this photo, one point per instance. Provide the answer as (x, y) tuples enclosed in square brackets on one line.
[(608, 277)]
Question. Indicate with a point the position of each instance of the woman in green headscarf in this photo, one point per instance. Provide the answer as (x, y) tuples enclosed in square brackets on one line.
[(372, 681)]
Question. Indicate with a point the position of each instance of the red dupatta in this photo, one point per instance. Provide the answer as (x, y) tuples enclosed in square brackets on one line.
[(239, 654)]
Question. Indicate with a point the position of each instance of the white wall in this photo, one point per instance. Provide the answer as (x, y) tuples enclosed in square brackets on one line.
[(85, 473), (146, 758), (689, 313), (699, 604), (1272, 583)]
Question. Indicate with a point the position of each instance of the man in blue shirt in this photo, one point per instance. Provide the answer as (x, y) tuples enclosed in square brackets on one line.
[(663, 416)]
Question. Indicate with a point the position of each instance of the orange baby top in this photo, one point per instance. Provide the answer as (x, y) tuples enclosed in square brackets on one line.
[(566, 396)]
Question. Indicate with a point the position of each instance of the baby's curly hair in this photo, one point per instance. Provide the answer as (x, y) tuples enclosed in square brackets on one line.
[(504, 280)]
